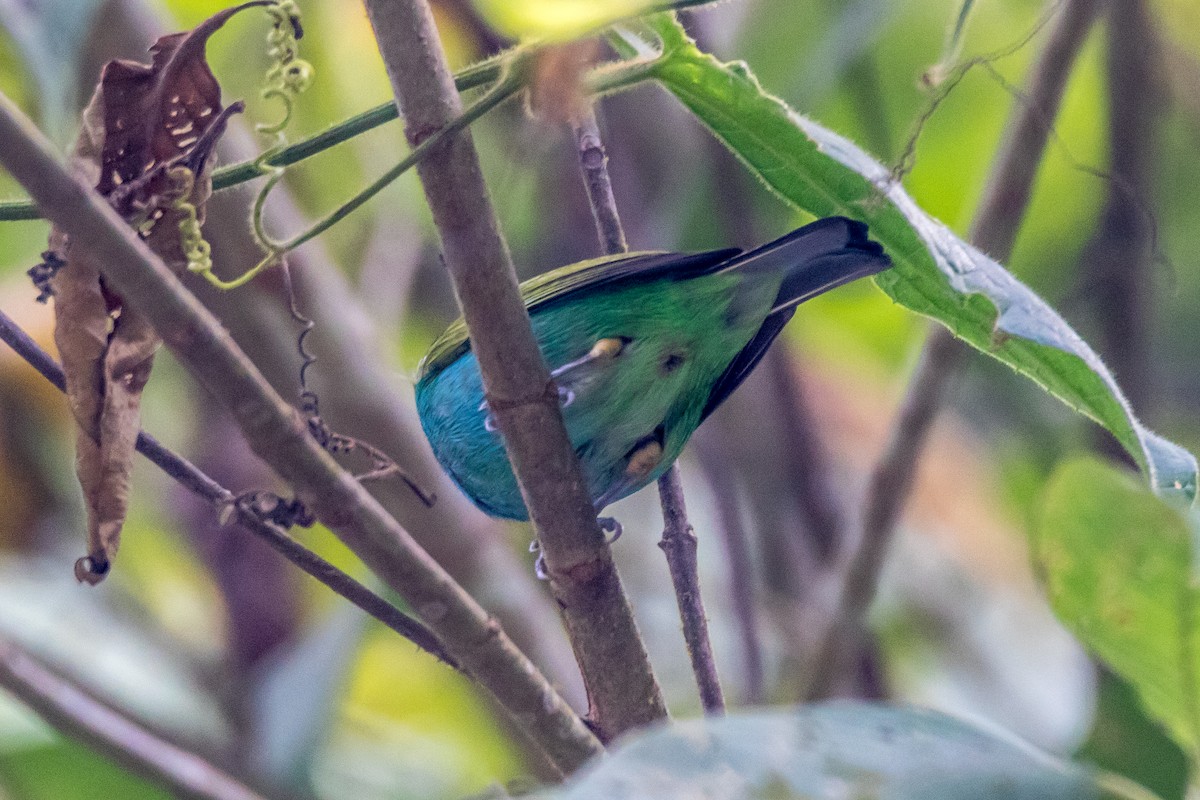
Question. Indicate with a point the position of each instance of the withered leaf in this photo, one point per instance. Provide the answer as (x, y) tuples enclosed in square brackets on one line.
[(556, 92), (143, 121)]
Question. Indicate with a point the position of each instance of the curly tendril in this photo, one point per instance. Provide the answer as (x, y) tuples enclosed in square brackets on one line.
[(288, 75), (196, 250)]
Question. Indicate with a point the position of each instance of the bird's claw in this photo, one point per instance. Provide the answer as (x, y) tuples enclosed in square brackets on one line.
[(539, 563), (566, 397), (610, 527)]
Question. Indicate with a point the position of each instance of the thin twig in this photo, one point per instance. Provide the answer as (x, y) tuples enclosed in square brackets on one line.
[(195, 480), (76, 713), (679, 543), (593, 164), (622, 690), (679, 538), (277, 433), (1003, 206)]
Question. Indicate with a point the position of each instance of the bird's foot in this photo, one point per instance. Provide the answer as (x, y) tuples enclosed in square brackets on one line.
[(611, 528), (539, 563), (566, 396)]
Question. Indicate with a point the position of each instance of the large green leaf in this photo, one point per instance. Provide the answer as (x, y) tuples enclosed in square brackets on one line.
[(936, 273), (1119, 565), (835, 750)]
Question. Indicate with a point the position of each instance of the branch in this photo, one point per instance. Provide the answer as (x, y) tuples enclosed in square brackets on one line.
[(1115, 264), (593, 164), (621, 687), (72, 711), (679, 538), (277, 433), (192, 478), (679, 543), (997, 221)]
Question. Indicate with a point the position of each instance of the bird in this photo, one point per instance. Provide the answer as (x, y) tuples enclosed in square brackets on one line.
[(642, 347)]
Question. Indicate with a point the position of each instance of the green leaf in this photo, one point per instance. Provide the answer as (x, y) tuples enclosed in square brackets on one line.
[(936, 273), (835, 750), (65, 770), (1120, 568), (1124, 739)]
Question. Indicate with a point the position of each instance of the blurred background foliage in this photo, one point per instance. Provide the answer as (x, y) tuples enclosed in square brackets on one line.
[(214, 640)]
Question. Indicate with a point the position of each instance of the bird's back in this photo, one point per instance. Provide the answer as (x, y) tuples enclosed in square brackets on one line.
[(642, 348)]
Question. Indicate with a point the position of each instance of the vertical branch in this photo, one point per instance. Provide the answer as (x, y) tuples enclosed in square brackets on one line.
[(742, 578), (79, 715), (622, 690), (679, 538), (997, 221), (806, 464), (1115, 264)]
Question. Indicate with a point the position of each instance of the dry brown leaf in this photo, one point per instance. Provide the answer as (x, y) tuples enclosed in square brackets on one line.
[(142, 121)]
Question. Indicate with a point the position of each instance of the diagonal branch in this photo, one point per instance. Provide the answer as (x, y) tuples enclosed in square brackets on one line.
[(622, 690), (196, 481), (997, 221), (278, 435), (79, 715)]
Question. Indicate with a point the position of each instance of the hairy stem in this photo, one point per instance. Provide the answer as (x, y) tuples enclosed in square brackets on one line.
[(997, 221), (278, 434), (622, 690)]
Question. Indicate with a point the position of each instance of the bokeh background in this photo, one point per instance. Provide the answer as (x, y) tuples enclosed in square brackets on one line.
[(221, 645)]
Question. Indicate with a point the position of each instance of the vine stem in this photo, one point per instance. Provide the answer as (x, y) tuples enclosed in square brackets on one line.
[(997, 222), (76, 713), (608, 78), (277, 433), (679, 538), (472, 77), (622, 690)]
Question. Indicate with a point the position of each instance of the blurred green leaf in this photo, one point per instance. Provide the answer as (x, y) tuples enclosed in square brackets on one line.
[(835, 750), (561, 20), (936, 273), (1126, 741), (1120, 568), (555, 19), (65, 770)]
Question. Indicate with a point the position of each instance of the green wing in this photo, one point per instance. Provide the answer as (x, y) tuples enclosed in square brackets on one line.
[(564, 282)]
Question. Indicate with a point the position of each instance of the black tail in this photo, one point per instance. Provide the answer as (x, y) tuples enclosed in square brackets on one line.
[(823, 255), (816, 258)]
